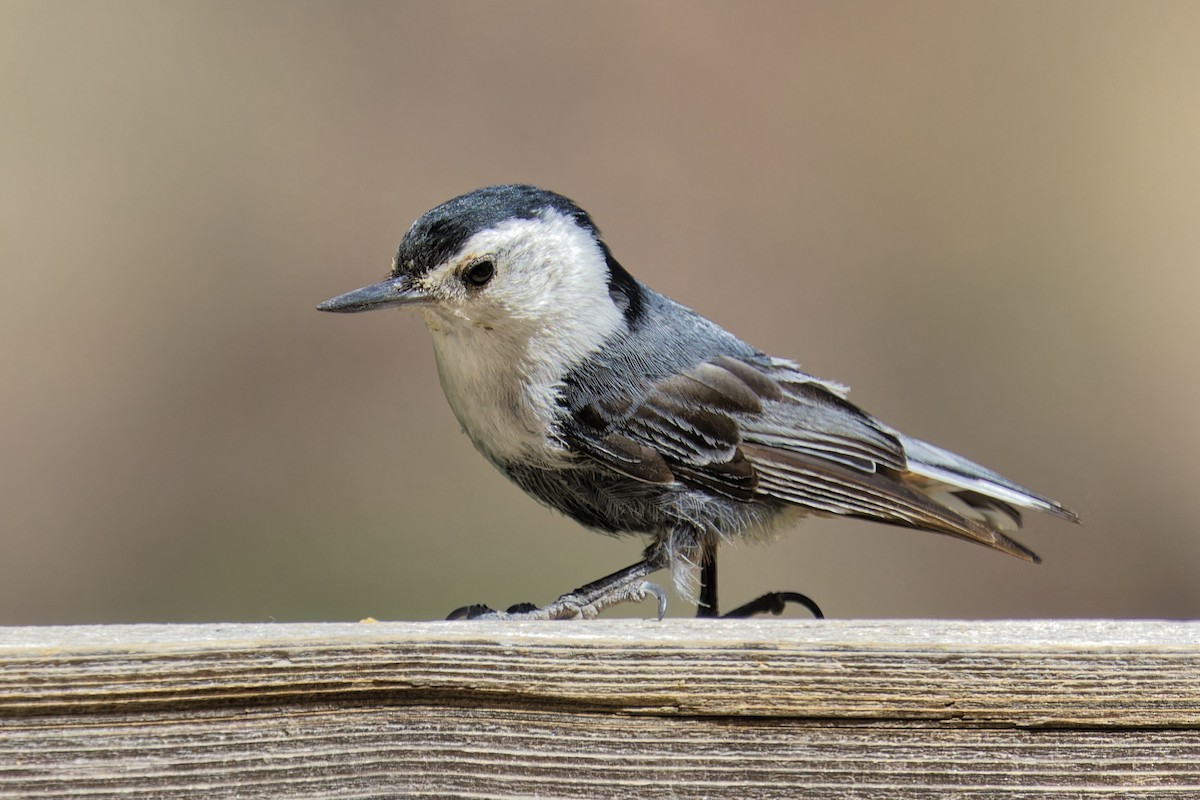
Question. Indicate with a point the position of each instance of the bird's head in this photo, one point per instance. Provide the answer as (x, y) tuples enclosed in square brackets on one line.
[(506, 260)]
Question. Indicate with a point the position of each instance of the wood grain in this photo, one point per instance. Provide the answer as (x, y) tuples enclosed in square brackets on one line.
[(724, 709)]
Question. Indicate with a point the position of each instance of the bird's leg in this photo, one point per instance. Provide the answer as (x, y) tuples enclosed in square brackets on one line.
[(707, 607), (623, 586), (769, 603)]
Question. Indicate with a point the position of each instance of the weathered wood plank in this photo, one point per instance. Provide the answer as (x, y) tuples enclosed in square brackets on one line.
[(745, 709)]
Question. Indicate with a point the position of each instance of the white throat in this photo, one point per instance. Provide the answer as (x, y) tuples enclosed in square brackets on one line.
[(502, 372)]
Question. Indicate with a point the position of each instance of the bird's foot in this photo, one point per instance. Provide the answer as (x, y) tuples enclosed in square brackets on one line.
[(775, 603), (579, 604), (626, 586)]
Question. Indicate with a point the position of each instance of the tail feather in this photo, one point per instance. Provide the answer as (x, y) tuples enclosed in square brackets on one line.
[(888, 496), (992, 498)]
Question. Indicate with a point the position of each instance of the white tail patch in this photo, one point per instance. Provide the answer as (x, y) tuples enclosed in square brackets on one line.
[(952, 471)]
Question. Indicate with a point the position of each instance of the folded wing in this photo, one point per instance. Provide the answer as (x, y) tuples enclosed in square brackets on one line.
[(769, 432)]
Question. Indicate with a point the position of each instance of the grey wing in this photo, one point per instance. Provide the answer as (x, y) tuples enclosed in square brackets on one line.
[(768, 431)]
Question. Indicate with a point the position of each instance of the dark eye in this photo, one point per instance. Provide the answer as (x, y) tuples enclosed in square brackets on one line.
[(479, 273)]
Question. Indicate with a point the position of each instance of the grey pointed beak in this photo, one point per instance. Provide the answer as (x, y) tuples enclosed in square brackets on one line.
[(392, 292)]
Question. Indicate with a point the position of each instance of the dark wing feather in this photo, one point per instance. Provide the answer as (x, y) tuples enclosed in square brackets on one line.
[(747, 432), (626, 456)]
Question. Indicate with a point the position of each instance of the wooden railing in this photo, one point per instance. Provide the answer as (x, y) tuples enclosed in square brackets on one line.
[(887, 710)]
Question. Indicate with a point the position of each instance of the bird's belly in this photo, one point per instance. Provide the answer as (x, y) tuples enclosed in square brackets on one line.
[(613, 503)]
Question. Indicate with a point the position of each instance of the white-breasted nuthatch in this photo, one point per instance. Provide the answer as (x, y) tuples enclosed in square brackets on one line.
[(635, 415)]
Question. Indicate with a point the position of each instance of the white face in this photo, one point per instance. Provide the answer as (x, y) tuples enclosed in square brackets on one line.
[(545, 269), (503, 346)]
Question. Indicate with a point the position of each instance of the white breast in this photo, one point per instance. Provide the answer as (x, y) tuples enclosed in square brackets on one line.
[(507, 415)]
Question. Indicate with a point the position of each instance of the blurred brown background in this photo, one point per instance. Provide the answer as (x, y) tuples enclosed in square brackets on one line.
[(985, 217)]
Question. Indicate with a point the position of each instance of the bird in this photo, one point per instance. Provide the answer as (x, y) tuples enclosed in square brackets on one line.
[(635, 415)]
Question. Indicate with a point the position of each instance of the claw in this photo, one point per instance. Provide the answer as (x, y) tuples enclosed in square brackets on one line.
[(659, 594), (520, 608), (473, 611)]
